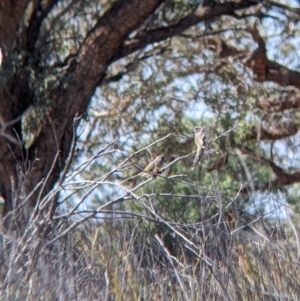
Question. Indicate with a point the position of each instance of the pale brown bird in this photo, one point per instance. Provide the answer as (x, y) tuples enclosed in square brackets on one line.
[(200, 140)]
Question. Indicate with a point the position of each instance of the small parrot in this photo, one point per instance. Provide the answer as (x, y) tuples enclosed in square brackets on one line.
[(155, 165), (200, 140)]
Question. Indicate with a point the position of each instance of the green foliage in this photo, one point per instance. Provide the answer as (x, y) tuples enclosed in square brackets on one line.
[(177, 235)]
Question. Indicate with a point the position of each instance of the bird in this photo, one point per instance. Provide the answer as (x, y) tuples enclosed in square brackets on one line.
[(153, 168), (155, 165), (200, 140)]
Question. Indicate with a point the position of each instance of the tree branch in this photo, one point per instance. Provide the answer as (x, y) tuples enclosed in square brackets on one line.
[(257, 61), (145, 38), (86, 70), (39, 13), (283, 177), (273, 133), (11, 14), (288, 100), (276, 169)]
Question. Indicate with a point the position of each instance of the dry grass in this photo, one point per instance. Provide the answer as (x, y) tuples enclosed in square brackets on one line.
[(148, 246), (137, 260)]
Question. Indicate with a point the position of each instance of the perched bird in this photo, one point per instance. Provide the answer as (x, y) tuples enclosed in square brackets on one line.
[(155, 165), (200, 140)]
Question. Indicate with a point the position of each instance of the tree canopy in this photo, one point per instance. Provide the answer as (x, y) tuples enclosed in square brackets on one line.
[(92, 91)]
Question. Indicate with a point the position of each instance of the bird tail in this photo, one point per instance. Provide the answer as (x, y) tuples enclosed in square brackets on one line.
[(197, 159)]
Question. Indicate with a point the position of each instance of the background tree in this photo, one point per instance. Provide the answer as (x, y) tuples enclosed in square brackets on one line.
[(91, 91)]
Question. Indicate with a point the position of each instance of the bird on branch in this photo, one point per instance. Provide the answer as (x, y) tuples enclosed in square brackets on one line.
[(153, 168), (200, 140)]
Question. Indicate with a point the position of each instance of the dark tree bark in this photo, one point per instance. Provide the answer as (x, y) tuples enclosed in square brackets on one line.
[(106, 42), (69, 99)]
